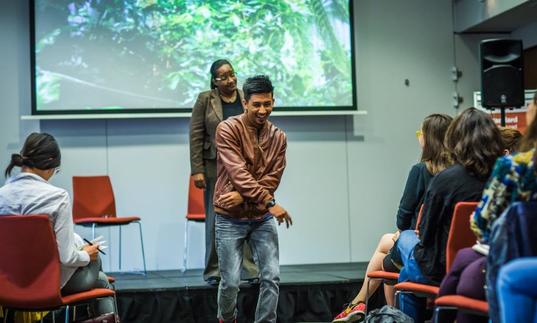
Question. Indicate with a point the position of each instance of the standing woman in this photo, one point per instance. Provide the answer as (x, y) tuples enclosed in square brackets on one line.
[(224, 100)]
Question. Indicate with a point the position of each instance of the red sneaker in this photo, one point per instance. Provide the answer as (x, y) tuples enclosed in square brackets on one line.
[(352, 313)]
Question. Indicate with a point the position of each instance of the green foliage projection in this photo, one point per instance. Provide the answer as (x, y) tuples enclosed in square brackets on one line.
[(304, 46)]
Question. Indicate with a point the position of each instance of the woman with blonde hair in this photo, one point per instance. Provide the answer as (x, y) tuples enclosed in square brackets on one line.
[(434, 159)]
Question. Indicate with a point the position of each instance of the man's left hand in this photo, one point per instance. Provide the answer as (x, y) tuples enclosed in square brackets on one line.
[(231, 199)]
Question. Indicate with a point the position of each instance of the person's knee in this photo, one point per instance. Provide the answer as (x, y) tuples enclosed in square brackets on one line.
[(385, 243)]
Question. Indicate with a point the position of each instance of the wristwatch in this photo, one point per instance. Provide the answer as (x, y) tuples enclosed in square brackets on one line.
[(271, 203)]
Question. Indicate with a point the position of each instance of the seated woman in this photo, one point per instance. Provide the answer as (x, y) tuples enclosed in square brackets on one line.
[(474, 143), (517, 290), (30, 193), (467, 274), (433, 160)]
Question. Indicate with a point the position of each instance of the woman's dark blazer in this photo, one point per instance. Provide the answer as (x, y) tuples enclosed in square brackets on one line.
[(206, 115)]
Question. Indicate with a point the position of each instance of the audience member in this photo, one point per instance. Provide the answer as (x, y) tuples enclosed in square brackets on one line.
[(474, 143), (511, 139), (30, 193), (467, 274), (517, 290), (434, 158), (513, 179)]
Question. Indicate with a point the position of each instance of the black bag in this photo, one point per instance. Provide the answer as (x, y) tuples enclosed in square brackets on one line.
[(104, 318), (388, 314)]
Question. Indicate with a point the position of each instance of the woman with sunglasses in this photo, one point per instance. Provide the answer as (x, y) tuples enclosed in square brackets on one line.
[(434, 158)]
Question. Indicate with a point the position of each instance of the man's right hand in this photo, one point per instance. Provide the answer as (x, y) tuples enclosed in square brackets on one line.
[(199, 180), (281, 215), (92, 251)]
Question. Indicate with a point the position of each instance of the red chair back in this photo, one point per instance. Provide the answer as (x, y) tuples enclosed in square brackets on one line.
[(196, 206), (30, 265), (93, 197), (460, 235)]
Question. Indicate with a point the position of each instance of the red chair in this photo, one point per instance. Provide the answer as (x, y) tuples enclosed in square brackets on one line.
[(462, 303), (195, 213), (460, 236), (30, 268), (94, 205)]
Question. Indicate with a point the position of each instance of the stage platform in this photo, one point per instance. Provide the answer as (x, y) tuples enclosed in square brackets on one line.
[(308, 293)]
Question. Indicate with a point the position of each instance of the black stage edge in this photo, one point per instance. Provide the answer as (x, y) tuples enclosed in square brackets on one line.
[(308, 293)]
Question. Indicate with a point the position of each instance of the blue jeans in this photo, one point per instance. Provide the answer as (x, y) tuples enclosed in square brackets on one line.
[(410, 304), (517, 290), (263, 239)]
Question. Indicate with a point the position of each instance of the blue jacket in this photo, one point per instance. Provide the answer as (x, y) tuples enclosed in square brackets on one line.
[(513, 235)]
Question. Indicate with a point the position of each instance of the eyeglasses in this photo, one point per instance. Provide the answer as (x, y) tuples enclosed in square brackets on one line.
[(56, 170), (225, 77), (419, 133)]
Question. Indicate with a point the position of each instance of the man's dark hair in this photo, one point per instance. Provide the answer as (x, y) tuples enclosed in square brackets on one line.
[(40, 151), (256, 85), (214, 67)]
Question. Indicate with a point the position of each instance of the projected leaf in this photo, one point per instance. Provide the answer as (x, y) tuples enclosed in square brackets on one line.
[(150, 53)]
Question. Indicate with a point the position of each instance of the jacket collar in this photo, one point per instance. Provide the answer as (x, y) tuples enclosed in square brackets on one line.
[(216, 102)]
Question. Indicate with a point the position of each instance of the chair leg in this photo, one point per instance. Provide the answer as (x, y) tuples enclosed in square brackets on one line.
[(93, 231), (115, 304), (142, 243), (67, 314), (119, 248), (436, 315), (396, 299), (6, 312), (367, 294), (185, 253)]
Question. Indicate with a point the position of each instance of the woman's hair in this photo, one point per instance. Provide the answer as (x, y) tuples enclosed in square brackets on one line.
[(434, 153), (529, 141), (40, 151), (214, 67), (474, 141), (511, 139)]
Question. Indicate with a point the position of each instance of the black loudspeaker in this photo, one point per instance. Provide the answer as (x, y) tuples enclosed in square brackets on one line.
[(502, 73)]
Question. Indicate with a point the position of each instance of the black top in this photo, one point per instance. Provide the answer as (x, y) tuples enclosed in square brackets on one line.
[(454, 184), (233, 108), (409, 207)]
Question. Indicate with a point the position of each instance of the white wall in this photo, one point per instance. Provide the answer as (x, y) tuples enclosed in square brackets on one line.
[(469, 13), (344, 176), (528, 34)]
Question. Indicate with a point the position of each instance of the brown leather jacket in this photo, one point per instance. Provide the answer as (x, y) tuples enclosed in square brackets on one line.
[(251, 162)]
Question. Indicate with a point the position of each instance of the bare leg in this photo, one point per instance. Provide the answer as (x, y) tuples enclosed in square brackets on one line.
[(385, 244), (389, 294)]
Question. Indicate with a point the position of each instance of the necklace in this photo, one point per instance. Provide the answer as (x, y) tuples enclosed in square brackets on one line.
[(229, 99)]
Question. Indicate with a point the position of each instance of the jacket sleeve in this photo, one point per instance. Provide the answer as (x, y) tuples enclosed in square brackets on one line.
[(230, 155), (412, 195), (496, 197), (69, 253), (197, 135), (271, 180)]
